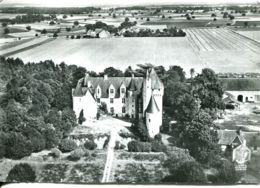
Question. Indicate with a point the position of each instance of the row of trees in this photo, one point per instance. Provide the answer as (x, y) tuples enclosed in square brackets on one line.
[(172, 32)]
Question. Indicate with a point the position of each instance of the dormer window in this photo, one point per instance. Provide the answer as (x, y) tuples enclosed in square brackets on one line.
[(98, 91), (112, 91), (122, 90)]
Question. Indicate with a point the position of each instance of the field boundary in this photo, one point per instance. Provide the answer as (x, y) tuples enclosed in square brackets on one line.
[(28, 47)]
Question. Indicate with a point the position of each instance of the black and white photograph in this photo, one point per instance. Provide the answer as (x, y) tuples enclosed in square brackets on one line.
[(139, 92)]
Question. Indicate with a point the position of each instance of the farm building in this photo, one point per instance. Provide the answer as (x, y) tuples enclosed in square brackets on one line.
[(98, 33), (232, 139), (243, 89), (134, 97), (230, 101)]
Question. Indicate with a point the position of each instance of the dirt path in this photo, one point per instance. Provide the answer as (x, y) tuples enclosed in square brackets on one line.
[(110, 157)]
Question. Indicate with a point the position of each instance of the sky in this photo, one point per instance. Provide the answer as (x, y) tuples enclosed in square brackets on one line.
[(76, 3)]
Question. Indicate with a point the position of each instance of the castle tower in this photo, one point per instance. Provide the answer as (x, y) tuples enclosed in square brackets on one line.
[(153, 91), (153, 121)]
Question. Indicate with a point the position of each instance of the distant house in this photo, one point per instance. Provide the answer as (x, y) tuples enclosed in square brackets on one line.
[(243, 89), (230, 139), (103, 34), (98, 33)]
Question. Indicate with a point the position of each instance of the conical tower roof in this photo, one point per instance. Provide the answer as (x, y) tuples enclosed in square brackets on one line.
[(132, 86), (152, 106), (156, 82)]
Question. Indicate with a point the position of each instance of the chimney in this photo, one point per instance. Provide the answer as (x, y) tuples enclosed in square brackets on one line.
[(105, 77), (86, 77)]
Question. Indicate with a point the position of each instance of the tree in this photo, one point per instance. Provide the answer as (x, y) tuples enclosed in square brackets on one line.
[(14, 115), (36, 138), (112, 72), (44, 31), (2, 144), (199, 136), (147, 19), (76, 23), (68, 29), (81, 117), (192, 72), (114, 15), (28, 27), (55, 35), (18, 146), (67, 145), (4, 24), (6, 30), (140, 129), (225, 14), (52, 22), (126, 19), (52, 137), (90, 145), (208, 88), (21, 173), (227, 173), (64, 16), (189, 172), (79, 73)]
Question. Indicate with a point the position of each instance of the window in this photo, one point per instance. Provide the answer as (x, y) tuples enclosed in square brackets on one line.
[(111, 90), (149, 120), (112, 110), (123, 109), (123, 100), (111, 100), (98, 100), (98, 91), (133, 100), (122, 90)]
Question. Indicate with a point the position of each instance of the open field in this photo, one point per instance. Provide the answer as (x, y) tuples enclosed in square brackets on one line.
[(253, 34), (12, 48), (220, 49)]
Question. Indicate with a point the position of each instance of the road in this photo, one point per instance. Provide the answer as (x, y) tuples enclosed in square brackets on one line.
[(110, 157)]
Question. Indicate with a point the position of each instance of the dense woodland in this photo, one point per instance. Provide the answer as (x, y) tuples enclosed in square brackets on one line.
[(36, 113)]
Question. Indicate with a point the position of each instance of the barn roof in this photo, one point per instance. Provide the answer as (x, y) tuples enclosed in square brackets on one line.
[(241, 84), (226, 137), (135, 83)]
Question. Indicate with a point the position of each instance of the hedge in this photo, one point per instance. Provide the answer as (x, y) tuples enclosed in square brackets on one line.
[(67, 145)]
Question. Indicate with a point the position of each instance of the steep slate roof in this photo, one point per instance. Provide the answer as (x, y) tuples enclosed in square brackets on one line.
[(226, 137), (105, 83), (156, 82), (152, 106), (241, 84)]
